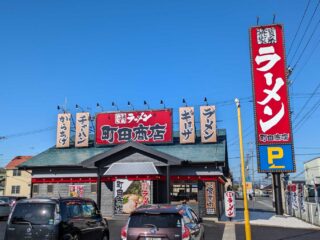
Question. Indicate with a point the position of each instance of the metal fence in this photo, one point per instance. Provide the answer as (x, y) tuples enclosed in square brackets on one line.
[(297, 206)]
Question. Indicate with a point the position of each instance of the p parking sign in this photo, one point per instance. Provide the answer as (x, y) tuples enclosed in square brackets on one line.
[(276, 158)]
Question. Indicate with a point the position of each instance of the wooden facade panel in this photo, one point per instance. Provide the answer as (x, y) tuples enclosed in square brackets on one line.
[(208, 124), (187, 128)]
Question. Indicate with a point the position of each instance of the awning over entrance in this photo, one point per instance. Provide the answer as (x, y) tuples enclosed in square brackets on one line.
[(135, 168)]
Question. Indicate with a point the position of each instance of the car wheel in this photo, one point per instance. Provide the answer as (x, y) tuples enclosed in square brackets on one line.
[(104, 237), (76, 237)]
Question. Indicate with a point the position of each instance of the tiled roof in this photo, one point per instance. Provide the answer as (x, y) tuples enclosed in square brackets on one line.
[(17, 161), (198, 152)]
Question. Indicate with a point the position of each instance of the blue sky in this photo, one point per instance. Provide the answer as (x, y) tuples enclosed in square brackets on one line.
[(104, 51)]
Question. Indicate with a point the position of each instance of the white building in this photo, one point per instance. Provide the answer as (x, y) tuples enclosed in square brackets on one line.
[(312, 171), (312, 177)]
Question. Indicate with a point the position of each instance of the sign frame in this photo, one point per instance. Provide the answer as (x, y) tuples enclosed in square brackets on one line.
[(286, 90), (128, 111), (68, 130), (78, 128), (211, 210), (214, 137), (192, 135)]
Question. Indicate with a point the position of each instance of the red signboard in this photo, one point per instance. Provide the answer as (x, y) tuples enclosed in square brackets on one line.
[(152, 126), (270, 90)]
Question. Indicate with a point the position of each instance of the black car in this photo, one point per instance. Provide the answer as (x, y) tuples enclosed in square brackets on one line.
[(63, 218), (160, 222)]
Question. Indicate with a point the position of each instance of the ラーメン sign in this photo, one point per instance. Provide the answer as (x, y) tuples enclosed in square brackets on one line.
[(152, 126), (271, 100), (208, 124)]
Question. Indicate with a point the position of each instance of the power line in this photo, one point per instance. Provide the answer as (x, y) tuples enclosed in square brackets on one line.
[(307, 102), (27, 133), (307, 44), (297, 154), (308, 147), (304, 33), (246, 133), (304, 14), (219, 103), (304, 95), (307, 115), (306, 62)]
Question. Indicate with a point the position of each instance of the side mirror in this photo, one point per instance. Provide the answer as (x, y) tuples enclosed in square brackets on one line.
[(200, 220)]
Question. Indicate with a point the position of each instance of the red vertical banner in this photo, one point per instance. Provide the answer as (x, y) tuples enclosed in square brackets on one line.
[(270, 91)]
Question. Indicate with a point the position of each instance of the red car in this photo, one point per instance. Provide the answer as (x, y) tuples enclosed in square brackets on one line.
[(163, 222)]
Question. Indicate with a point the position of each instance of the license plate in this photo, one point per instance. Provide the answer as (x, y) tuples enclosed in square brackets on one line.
[(148, 238)]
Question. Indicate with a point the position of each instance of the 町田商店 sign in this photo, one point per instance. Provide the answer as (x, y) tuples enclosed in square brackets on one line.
[(152, 126)]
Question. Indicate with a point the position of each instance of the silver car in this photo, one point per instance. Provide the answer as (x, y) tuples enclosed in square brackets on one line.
[(4, 209), (6, 205)]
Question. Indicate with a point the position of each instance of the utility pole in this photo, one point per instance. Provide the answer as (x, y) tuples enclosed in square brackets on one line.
[(252, 162), (247, 168), (252, 171), (244, 187)]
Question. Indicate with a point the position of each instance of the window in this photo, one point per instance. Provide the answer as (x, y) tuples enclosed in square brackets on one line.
[(89, 210), (93, 187), (162, 220), (71, 209), (15, 189), (16, 172), (194, 216), (35, 213), (50, 188), (35, 189), (184, 191)]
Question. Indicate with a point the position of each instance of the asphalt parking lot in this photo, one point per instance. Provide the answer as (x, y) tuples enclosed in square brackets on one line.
[(213, 231)]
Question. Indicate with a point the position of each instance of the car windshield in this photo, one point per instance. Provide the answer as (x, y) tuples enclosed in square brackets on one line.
[(34, 213), (4, 199), (168, 220)]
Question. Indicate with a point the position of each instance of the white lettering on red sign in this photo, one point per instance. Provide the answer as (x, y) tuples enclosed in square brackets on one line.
[(270, 88), (268, 55)]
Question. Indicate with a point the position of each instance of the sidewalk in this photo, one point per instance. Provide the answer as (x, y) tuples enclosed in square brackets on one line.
[(268, 218)]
